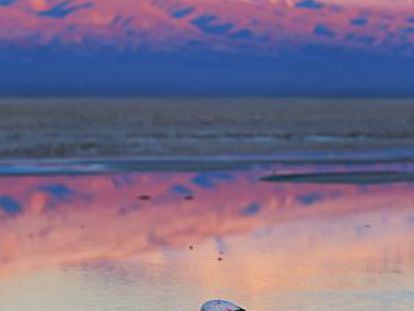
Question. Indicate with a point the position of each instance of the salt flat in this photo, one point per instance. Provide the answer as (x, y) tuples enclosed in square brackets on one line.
[(86, 127)]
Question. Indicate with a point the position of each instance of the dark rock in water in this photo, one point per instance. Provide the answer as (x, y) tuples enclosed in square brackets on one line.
[(353, 178)]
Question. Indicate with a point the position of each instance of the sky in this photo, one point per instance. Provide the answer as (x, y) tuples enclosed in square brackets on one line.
[(207, 47)]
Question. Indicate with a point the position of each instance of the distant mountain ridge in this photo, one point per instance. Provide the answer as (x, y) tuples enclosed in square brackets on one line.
[(262, 26)]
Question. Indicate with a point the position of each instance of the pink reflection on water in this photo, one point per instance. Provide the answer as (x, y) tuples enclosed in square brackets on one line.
[(52, 221)]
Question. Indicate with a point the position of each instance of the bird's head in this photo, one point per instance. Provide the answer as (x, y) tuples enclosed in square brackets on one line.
[(220, 305)]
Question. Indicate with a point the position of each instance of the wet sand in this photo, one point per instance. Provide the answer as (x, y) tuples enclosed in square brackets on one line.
[(51, 128)]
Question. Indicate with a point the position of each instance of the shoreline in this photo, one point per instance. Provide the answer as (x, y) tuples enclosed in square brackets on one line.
[(114, 165)]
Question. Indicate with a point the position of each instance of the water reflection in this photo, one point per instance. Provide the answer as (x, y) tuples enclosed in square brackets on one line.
[(149, 241)]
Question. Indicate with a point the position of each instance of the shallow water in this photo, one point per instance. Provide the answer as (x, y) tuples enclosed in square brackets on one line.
[(161, 240)]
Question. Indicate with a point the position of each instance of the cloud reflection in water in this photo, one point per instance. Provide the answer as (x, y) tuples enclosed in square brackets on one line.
[(272, 238)]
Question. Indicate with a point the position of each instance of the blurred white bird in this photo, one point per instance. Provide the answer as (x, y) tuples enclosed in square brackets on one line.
[(220, 305)]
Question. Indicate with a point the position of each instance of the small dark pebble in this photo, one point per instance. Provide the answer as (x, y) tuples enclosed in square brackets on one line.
[(367, 226), (189, 198), (191, 247), (220, 259), (144, 197)]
